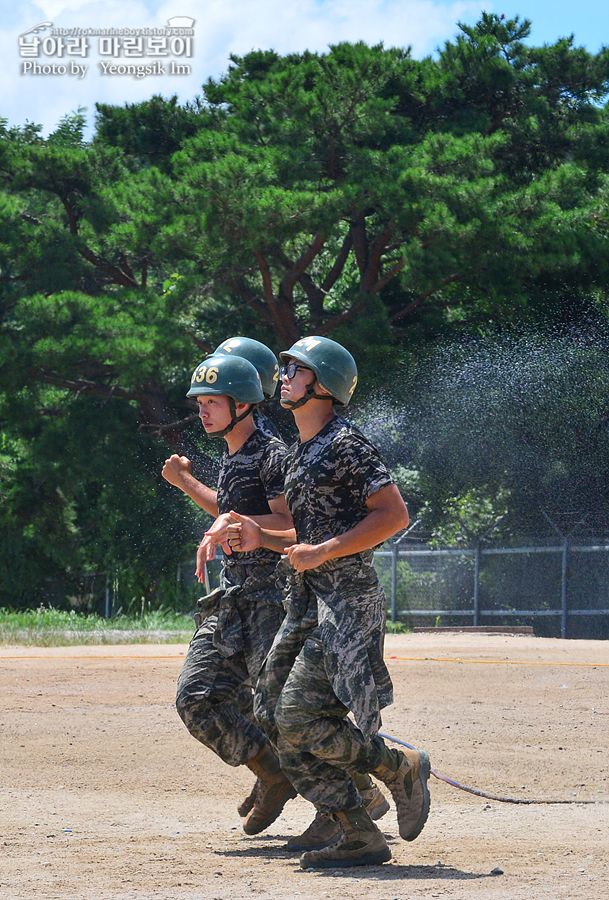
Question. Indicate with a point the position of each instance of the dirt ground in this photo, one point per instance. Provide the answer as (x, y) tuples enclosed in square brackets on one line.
[(104, 795)]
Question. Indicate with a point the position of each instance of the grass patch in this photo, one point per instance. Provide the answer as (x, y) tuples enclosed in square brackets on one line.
[(44, 627), (397, 628)]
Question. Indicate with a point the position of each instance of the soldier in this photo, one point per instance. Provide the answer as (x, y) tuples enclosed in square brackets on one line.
[(177, 470), (327, 659), (236, 624)]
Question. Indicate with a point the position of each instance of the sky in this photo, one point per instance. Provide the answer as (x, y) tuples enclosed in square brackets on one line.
[(49, 74)]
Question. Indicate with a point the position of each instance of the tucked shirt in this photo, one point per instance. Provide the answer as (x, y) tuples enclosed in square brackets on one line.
[(328, 480), (248, 479)]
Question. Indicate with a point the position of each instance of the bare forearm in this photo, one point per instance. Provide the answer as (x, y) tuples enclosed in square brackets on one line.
[(275, 523), (387, 515), (200, 493), (377, 527), (277, 540)]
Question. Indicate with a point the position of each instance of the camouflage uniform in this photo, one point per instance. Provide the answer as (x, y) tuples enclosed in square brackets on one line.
[(266, 425), (236, 623), (327, 658)]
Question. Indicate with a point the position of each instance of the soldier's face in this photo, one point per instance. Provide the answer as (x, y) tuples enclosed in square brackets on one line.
[(214, 412), (293, 389)]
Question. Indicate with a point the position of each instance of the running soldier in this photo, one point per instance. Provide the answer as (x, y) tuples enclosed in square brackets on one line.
[(177, 470), (327, 659), (237, 623)]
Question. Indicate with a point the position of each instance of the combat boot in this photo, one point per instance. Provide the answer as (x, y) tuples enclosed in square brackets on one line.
[(324, 829), (360, 843), (375, 802), (273, 791), (406, 774), (248, 802)]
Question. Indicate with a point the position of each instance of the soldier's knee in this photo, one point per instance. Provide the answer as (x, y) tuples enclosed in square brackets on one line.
[(182, 703), (190, 705), (292, 722)]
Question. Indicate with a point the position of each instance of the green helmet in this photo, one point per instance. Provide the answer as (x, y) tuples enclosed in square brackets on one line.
[(259, 355), (333, 365), (232, 376)]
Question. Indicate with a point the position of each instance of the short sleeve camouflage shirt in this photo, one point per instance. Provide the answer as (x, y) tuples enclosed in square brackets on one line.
[(328, 480), (248, 480), (265, 425)]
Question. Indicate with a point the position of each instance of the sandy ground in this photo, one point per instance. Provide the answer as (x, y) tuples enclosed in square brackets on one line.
[(105, 795)]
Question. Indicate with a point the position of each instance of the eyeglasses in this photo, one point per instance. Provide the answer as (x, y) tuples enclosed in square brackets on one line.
[(291, 369)]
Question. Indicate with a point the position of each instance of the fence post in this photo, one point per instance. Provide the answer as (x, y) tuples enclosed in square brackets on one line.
[(108, 607), (394, 569), (563, 589), (476, 580), (394, 579)]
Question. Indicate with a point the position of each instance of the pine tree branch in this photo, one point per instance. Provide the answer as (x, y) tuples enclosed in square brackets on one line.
[(159, 430), (411, 307), (280, 307), (375, 253), (118, 275), (84, 386), (360, 243), (203, 346), (343, 317), (386, 278), (302, 263), (339, 264)]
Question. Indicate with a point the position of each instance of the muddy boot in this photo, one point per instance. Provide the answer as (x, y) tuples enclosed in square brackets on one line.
[(324, 828), (406, 774), (248, 802), (274, 790), (359, 843)]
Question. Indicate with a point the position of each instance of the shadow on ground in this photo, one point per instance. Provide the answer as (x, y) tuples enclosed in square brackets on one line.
[(273, 848)]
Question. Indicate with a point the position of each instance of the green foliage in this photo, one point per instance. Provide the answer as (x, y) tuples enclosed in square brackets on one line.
[(149, 132), (469, 517), (47, 627), (70, 131), (397, 628), (359, 193)]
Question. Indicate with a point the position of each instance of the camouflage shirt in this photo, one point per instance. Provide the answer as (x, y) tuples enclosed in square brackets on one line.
[(265, 425), (247, 481), (328, 480)]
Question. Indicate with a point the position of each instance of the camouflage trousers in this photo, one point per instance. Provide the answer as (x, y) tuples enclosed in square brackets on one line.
[(325, 663), (236, 627)]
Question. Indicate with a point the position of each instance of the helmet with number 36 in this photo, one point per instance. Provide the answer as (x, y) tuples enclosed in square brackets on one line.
[(333, 365), (231, 376)]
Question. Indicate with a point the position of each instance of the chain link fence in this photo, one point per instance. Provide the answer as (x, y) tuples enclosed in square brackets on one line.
[(561, 589)]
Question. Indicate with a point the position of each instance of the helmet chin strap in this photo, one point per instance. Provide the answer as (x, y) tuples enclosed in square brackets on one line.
[(235, 419), (309, 394)]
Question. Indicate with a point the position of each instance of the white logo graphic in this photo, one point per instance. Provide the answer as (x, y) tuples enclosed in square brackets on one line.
[(38, 28), (180, 22)]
